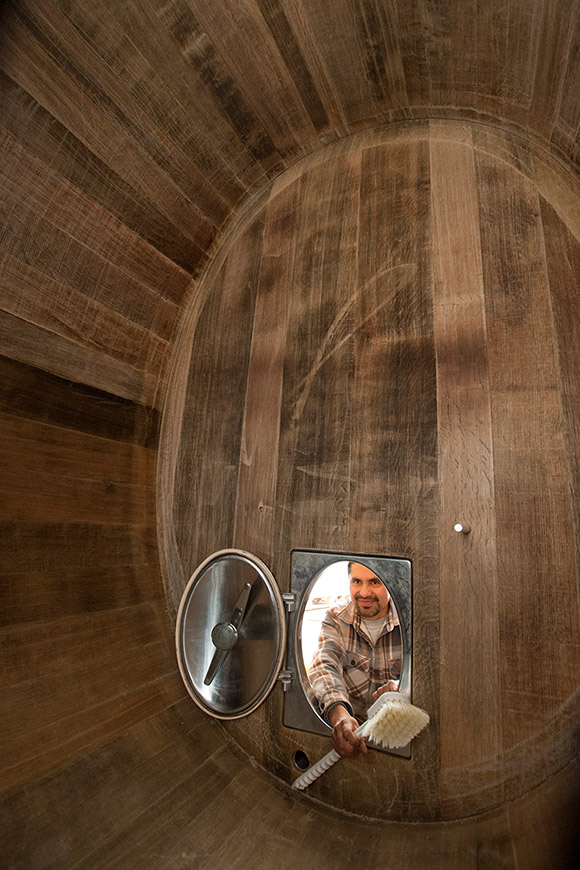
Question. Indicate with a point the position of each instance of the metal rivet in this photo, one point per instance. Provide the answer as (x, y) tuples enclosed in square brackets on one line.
[(462, 528)]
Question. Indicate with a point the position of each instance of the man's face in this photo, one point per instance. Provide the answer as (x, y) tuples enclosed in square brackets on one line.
[(369, 594)]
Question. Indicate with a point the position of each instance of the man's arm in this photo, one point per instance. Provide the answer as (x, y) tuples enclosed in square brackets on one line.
[(326, 669), (325, 675)]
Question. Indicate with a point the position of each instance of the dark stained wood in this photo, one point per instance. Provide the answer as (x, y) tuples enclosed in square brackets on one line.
[(31, 496), (470, 675), (64, 44), (377, 24), (289, 48), (43, 447), (553, 50), (493, 37), (51, 199), (26, 342), (214, 427), (563, 257), (428, 439), (360, 63), (114, 335), (68, 591), (310, 64), (49, 695), (215, 86), (314, 466), (52, 143), (411, 22), (522, 41), (339, 44), (533, 519), (234, 148), (451, 72), (35, 395), (394, 355), (393, 438), (69, 477), (96, 782), (30, 66), (258, 464), (32, 648), (132, 136), (543, 826), (266, 88), (217, 799), (38, 237), (311, 250), (49, 731), (46, 546)]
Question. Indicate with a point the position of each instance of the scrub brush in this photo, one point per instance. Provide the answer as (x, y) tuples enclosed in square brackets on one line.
[(392, 723)]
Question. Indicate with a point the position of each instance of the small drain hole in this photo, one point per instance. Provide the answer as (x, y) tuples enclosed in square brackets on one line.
[(301, 760)]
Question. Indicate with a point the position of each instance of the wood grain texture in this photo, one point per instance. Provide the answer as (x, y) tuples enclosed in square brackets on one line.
[(195, 91), (60, 151), (314, 466), (258, 465), (393, 437), (267, 88), (22, 55), (534, 525), (32, 394), (131, 137), (470, 719), (214, 429), (409, 356), (563, 257)]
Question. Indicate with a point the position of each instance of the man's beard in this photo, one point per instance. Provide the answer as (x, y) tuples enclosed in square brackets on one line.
[(367, 612)]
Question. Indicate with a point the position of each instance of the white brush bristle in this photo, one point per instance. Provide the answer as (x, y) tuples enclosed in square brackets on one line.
[(396, 724)]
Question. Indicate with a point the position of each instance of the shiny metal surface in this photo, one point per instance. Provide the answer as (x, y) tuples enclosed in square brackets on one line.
[(225, 635), (233, 598)]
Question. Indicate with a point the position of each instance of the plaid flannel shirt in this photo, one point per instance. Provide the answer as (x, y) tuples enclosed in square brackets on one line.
[(347, 668)]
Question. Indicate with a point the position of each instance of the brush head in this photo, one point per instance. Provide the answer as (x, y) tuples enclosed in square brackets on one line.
[(393, 721)]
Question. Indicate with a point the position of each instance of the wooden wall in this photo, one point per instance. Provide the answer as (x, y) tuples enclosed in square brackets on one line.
[(389, 345), (131, 135)]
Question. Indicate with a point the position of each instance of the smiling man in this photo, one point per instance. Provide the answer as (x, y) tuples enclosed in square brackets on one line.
[(358, 658)]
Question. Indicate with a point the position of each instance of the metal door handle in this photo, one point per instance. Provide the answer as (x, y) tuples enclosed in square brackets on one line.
[(224, 635)]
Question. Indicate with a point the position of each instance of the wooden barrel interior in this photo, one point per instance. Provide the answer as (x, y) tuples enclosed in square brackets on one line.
[(285, 275)]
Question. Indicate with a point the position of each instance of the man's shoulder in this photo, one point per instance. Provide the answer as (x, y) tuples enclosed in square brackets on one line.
[(341, 612)]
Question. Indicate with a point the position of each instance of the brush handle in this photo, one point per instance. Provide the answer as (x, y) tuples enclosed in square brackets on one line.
[(323, 765), (332, 757), (316, 770)]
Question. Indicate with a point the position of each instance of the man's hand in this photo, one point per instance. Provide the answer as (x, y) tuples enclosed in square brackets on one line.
[(343, 738), (391, 686)]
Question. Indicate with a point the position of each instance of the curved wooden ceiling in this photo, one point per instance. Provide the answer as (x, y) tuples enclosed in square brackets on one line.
[(167, 114), (131, 133)]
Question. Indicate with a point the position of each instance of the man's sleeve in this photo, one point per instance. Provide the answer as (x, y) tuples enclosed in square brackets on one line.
[(325, 672)]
